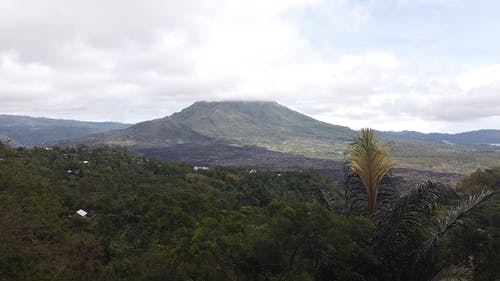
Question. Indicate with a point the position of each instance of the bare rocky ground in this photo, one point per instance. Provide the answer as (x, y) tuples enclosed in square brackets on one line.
[(252, 157)]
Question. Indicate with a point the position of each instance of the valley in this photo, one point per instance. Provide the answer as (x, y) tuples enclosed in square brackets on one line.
[(253, 157)]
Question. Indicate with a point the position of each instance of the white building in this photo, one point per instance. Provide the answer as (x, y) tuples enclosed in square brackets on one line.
[(196, 168), (81, 212)]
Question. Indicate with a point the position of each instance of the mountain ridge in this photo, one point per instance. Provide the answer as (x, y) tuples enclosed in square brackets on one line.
[(24, 130), (476, 137), (230, 122), (219, 126)]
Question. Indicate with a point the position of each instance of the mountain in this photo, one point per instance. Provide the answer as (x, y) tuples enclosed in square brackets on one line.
[(266, 124), (218, 133), (256, 120), (27, 131), (473, 138)]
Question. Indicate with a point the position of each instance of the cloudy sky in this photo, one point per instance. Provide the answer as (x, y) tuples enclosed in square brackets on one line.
[(428, 65)]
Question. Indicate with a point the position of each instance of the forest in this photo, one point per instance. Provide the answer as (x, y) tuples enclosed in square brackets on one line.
[(151, 220)]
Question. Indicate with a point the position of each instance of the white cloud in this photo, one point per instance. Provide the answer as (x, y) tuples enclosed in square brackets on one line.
[(130, 61), (481, 77)]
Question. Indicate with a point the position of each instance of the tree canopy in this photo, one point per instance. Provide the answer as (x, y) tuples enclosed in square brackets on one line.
[(149, 220)]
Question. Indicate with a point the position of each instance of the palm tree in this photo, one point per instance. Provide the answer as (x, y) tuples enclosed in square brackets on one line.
[(410, 223), (409, 230), (370, 161)]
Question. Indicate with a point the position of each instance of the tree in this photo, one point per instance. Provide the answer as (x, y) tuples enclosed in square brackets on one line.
[(410, 230), (411, 223), (370, 161)]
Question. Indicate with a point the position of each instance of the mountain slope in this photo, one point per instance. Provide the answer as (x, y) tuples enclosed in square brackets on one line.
[(243, 120), (266, 124), (27, 131), (162, 132), (479, 137), (221, 126)]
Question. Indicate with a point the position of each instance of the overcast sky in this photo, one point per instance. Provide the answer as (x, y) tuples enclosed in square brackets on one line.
[(427, 65)]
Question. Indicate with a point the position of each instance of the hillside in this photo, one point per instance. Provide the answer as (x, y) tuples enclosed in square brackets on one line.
[(149, 220), (237, 123), (473, 138), (243, 121), (265, 124), (27, 131), (273, 127)]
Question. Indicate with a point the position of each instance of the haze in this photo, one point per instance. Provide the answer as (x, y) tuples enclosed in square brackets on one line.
[(426, 65)]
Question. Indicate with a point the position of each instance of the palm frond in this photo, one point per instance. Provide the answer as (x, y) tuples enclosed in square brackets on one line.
[(355, 193), (328, 195), (454, 273), (461, 214), (370, 161), (388, 193), (334, 201), (402, 225), (454, 219)]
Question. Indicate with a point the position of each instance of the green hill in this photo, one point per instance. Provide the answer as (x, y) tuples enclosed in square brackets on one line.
[(274, 127), (256, 121), (27, 131), (238, 123)]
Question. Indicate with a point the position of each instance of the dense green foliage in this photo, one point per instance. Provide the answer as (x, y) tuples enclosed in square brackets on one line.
[(489, 178), (481, 244), (149, 220), (153, 221)]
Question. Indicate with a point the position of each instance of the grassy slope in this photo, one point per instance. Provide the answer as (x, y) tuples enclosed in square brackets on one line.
[(27, 131), (442, 157), (277, 128), (247, 121)]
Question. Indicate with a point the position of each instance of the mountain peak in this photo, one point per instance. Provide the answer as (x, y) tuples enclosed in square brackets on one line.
[(250, 120), (235, 105), (235, 102), (235, 122)]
